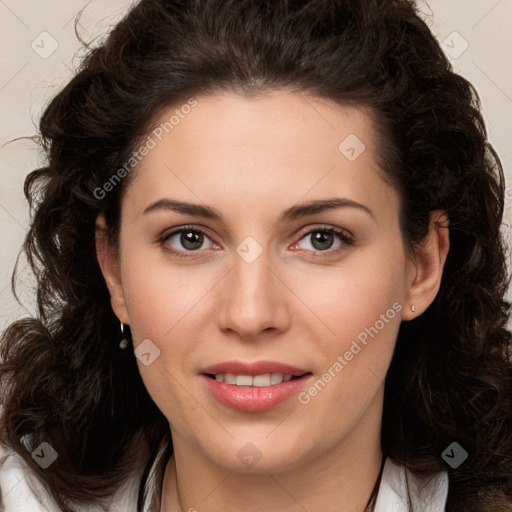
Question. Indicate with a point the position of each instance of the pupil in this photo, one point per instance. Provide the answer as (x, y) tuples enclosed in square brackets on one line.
[(189, 238), (320, 238)]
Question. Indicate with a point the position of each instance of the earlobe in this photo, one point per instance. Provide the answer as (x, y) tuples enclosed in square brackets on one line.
[(107, 260), (429, 260)]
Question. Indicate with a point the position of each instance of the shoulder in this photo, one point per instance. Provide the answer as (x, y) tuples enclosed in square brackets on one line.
[(427, 495), (20, 490), (15, 491)]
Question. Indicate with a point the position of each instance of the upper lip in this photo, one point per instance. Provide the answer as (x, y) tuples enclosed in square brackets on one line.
[(253, 368)]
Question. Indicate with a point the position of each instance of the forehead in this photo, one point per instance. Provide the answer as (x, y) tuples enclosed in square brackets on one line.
[(281, 122), (280, 146)]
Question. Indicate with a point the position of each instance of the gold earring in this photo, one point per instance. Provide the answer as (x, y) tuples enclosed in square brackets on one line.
[(413, 309), (124, 341)]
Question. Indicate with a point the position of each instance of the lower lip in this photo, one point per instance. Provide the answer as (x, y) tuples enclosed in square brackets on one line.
[(252, 398)]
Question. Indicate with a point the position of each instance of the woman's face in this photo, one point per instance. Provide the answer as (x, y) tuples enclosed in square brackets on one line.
[(259, 277)]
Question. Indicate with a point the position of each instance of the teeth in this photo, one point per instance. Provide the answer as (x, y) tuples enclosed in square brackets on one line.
[(243, 380), (267, 379), (276, 378)]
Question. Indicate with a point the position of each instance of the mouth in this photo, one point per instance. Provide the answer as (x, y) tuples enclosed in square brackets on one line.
[(260, 381), (254, 387)]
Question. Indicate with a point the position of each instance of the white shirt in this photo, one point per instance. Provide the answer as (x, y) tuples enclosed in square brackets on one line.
[(17, 496)]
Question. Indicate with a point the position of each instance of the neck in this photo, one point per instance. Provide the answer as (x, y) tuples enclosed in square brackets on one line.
[(340, 478)]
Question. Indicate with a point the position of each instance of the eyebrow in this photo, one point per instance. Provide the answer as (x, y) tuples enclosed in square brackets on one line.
[(293, 213)]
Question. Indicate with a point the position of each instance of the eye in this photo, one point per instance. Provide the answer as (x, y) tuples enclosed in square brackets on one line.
[(191, 239), (321, 239)]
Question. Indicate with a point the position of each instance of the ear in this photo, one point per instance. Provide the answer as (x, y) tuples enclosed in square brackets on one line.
[(427, 267), (108, 262)]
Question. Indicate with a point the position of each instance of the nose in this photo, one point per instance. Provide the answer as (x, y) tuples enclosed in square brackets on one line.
[(253, 300)]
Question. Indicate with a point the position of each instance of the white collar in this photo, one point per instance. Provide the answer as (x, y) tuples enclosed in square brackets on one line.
[(427, 495)]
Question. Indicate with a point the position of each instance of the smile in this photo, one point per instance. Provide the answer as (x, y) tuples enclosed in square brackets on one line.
[(266, 379), (247, 396)]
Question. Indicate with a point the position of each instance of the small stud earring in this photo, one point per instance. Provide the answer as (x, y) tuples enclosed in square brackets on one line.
[(413, 309), (124, 341)]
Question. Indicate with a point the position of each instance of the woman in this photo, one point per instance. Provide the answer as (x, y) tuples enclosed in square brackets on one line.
[(270, 230)]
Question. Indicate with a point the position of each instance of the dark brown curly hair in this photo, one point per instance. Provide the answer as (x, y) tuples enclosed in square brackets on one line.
[(63, 378)]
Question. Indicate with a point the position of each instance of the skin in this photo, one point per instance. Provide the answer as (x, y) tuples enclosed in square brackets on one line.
[(250, 159)]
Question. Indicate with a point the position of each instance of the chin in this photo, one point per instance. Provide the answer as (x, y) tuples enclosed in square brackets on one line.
[(259, 455)]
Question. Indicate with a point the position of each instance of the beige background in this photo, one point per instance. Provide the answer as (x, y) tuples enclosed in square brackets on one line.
[(39, 50)]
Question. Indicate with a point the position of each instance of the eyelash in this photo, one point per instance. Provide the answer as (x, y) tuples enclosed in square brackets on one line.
[(347, 240)]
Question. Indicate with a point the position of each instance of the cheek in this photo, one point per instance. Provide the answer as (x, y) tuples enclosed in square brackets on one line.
[(357, 314), (160, 297), (352, 297), (165, 305), (162, 305)]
